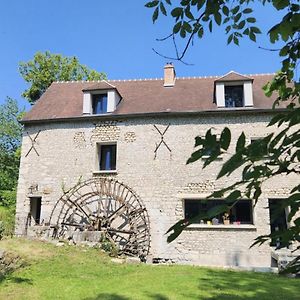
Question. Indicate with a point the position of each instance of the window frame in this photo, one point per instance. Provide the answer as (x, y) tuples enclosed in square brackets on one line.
[(232, 225), (99, 150), (230, 85), (35, 210), (93, 100)]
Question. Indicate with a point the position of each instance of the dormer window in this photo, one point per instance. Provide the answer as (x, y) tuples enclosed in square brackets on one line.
[(234, 90), (100, 98), (99, 103), (234, 96)]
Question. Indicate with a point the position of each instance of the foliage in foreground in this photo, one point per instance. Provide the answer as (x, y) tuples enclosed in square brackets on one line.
[(279, 152), (85, 273)]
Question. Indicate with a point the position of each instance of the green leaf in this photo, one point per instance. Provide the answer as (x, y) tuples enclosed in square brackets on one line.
[(235, 40), (235, 9), (247, 11), (252, 36), (230, 38), (216, 210), (194, 157), (225, 138), (233, 196), (177, 27), (255, 29), (200, 4), (241, 24), (218, 18), (152, 3), (225, 10), (187, 27), (189, 14), (281, 4), (251, 20), (162, 8), (200, 32), (210, 26), (240, 145), (155, 14), (237, 17), (176, 12)]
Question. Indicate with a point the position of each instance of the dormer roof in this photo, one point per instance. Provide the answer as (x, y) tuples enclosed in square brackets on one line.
[(233, 76), (101, 85)]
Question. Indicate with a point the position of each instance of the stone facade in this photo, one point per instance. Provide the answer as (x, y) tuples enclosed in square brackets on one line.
[(67, 151)]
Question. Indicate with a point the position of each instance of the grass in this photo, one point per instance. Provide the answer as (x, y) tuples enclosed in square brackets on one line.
[(79, 273)]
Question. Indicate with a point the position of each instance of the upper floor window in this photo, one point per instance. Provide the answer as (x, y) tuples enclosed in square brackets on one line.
[(234, 90), (99, 103), (234, 96)]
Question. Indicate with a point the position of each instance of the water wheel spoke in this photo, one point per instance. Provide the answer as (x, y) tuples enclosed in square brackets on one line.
[(120, 231)]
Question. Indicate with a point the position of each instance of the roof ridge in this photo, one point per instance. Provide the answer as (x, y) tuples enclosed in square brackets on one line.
[(160, 78)]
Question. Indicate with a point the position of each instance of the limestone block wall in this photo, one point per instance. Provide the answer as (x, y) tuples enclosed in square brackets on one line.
[(66, 151)]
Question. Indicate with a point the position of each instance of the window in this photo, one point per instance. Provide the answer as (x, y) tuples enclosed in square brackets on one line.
[(234, 96), (99, 103), (278, 218), (35, 210), (241, 213), (107, 157)]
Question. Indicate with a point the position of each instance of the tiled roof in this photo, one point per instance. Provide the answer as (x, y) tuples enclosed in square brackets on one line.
[(64, 99)]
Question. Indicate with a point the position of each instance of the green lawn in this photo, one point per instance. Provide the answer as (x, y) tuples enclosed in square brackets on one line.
[(79, 273)]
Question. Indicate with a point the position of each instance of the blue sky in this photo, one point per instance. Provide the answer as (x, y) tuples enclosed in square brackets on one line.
[(116, 37)]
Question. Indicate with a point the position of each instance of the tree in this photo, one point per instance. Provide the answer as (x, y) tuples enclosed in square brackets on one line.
[(10, 139), (46, 68), (193, 18)]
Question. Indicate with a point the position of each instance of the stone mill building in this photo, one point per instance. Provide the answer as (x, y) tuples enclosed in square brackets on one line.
[(110, 157)]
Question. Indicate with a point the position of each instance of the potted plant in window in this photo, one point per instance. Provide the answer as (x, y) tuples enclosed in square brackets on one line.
[(226, 218)]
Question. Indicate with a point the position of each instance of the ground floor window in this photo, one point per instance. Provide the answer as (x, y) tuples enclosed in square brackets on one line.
[(241, 213), (107, 155), (35, 210), (278, 218)]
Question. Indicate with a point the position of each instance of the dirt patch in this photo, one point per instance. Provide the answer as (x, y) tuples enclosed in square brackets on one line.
[(9, 262)]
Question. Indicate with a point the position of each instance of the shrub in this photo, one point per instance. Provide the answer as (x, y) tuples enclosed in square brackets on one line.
[(7, 221)]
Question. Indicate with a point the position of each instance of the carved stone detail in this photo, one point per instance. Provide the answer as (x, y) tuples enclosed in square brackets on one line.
[(105, 132), (79, 140), (129, 137)]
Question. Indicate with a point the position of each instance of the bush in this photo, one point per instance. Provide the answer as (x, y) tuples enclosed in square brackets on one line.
[(109, 247), (7, 221), (8, 198)]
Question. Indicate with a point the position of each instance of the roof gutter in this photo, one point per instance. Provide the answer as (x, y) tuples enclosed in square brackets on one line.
[(109, 117)]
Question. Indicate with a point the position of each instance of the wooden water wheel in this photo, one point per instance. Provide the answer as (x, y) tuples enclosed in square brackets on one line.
[(108, 206)]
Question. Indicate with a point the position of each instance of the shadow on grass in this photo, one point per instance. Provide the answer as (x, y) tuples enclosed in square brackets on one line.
[(13, 279), (158, 297), (105, 296), (20, 280), (250, 286)]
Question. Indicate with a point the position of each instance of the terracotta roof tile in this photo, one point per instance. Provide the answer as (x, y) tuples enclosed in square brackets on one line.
[(65, 100)]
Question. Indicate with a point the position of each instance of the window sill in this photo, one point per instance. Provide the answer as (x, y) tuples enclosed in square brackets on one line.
[(245, 227), (105, 172)]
